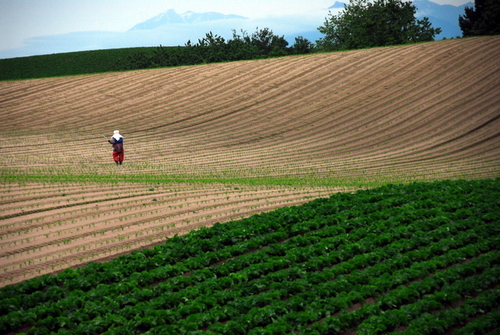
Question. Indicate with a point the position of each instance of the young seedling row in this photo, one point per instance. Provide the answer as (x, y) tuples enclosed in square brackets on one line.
[(107, 219)]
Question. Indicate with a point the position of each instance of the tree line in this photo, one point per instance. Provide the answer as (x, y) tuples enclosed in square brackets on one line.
[(212, 48), (361, 24)]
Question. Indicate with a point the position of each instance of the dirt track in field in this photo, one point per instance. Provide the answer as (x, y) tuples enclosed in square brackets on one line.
[(409, 113)]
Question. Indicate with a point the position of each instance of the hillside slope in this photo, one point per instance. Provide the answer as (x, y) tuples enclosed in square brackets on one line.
[(426, 110)]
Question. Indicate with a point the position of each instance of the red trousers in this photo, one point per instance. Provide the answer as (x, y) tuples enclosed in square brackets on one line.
[(118, 156)]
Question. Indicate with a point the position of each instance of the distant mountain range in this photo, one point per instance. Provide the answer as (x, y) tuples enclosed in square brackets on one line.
[(171, 17), (442, 16)]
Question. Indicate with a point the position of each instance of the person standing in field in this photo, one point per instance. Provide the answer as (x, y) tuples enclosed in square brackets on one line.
[(117, 143)]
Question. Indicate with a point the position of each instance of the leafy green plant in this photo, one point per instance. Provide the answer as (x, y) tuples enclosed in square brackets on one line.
[(372, 261)]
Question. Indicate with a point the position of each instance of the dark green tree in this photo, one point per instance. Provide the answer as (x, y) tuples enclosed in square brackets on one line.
[(364, 24), (483, 19), (212, 48), (267, 42), (241, 46), (301, 46)]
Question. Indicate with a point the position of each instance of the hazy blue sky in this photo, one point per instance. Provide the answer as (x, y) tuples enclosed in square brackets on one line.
[(23, 23)]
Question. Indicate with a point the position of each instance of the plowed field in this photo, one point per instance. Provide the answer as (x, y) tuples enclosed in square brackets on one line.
[(217, 142)]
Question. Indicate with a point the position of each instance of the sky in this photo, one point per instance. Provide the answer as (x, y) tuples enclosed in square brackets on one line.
[(31, 27)]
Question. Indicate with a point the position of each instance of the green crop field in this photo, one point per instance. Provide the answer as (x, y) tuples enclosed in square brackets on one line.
[(421, 258), (66, 64)]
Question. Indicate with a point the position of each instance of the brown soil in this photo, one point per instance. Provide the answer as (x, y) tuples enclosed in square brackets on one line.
[(355, 119)]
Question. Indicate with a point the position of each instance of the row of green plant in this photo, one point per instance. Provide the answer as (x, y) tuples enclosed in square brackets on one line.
[(60, 176), (422, 256)]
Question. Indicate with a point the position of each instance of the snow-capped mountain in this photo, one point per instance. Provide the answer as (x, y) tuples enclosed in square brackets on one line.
[(171, 17)]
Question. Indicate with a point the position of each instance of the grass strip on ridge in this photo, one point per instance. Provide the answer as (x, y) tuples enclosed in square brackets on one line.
[(19, 176)]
